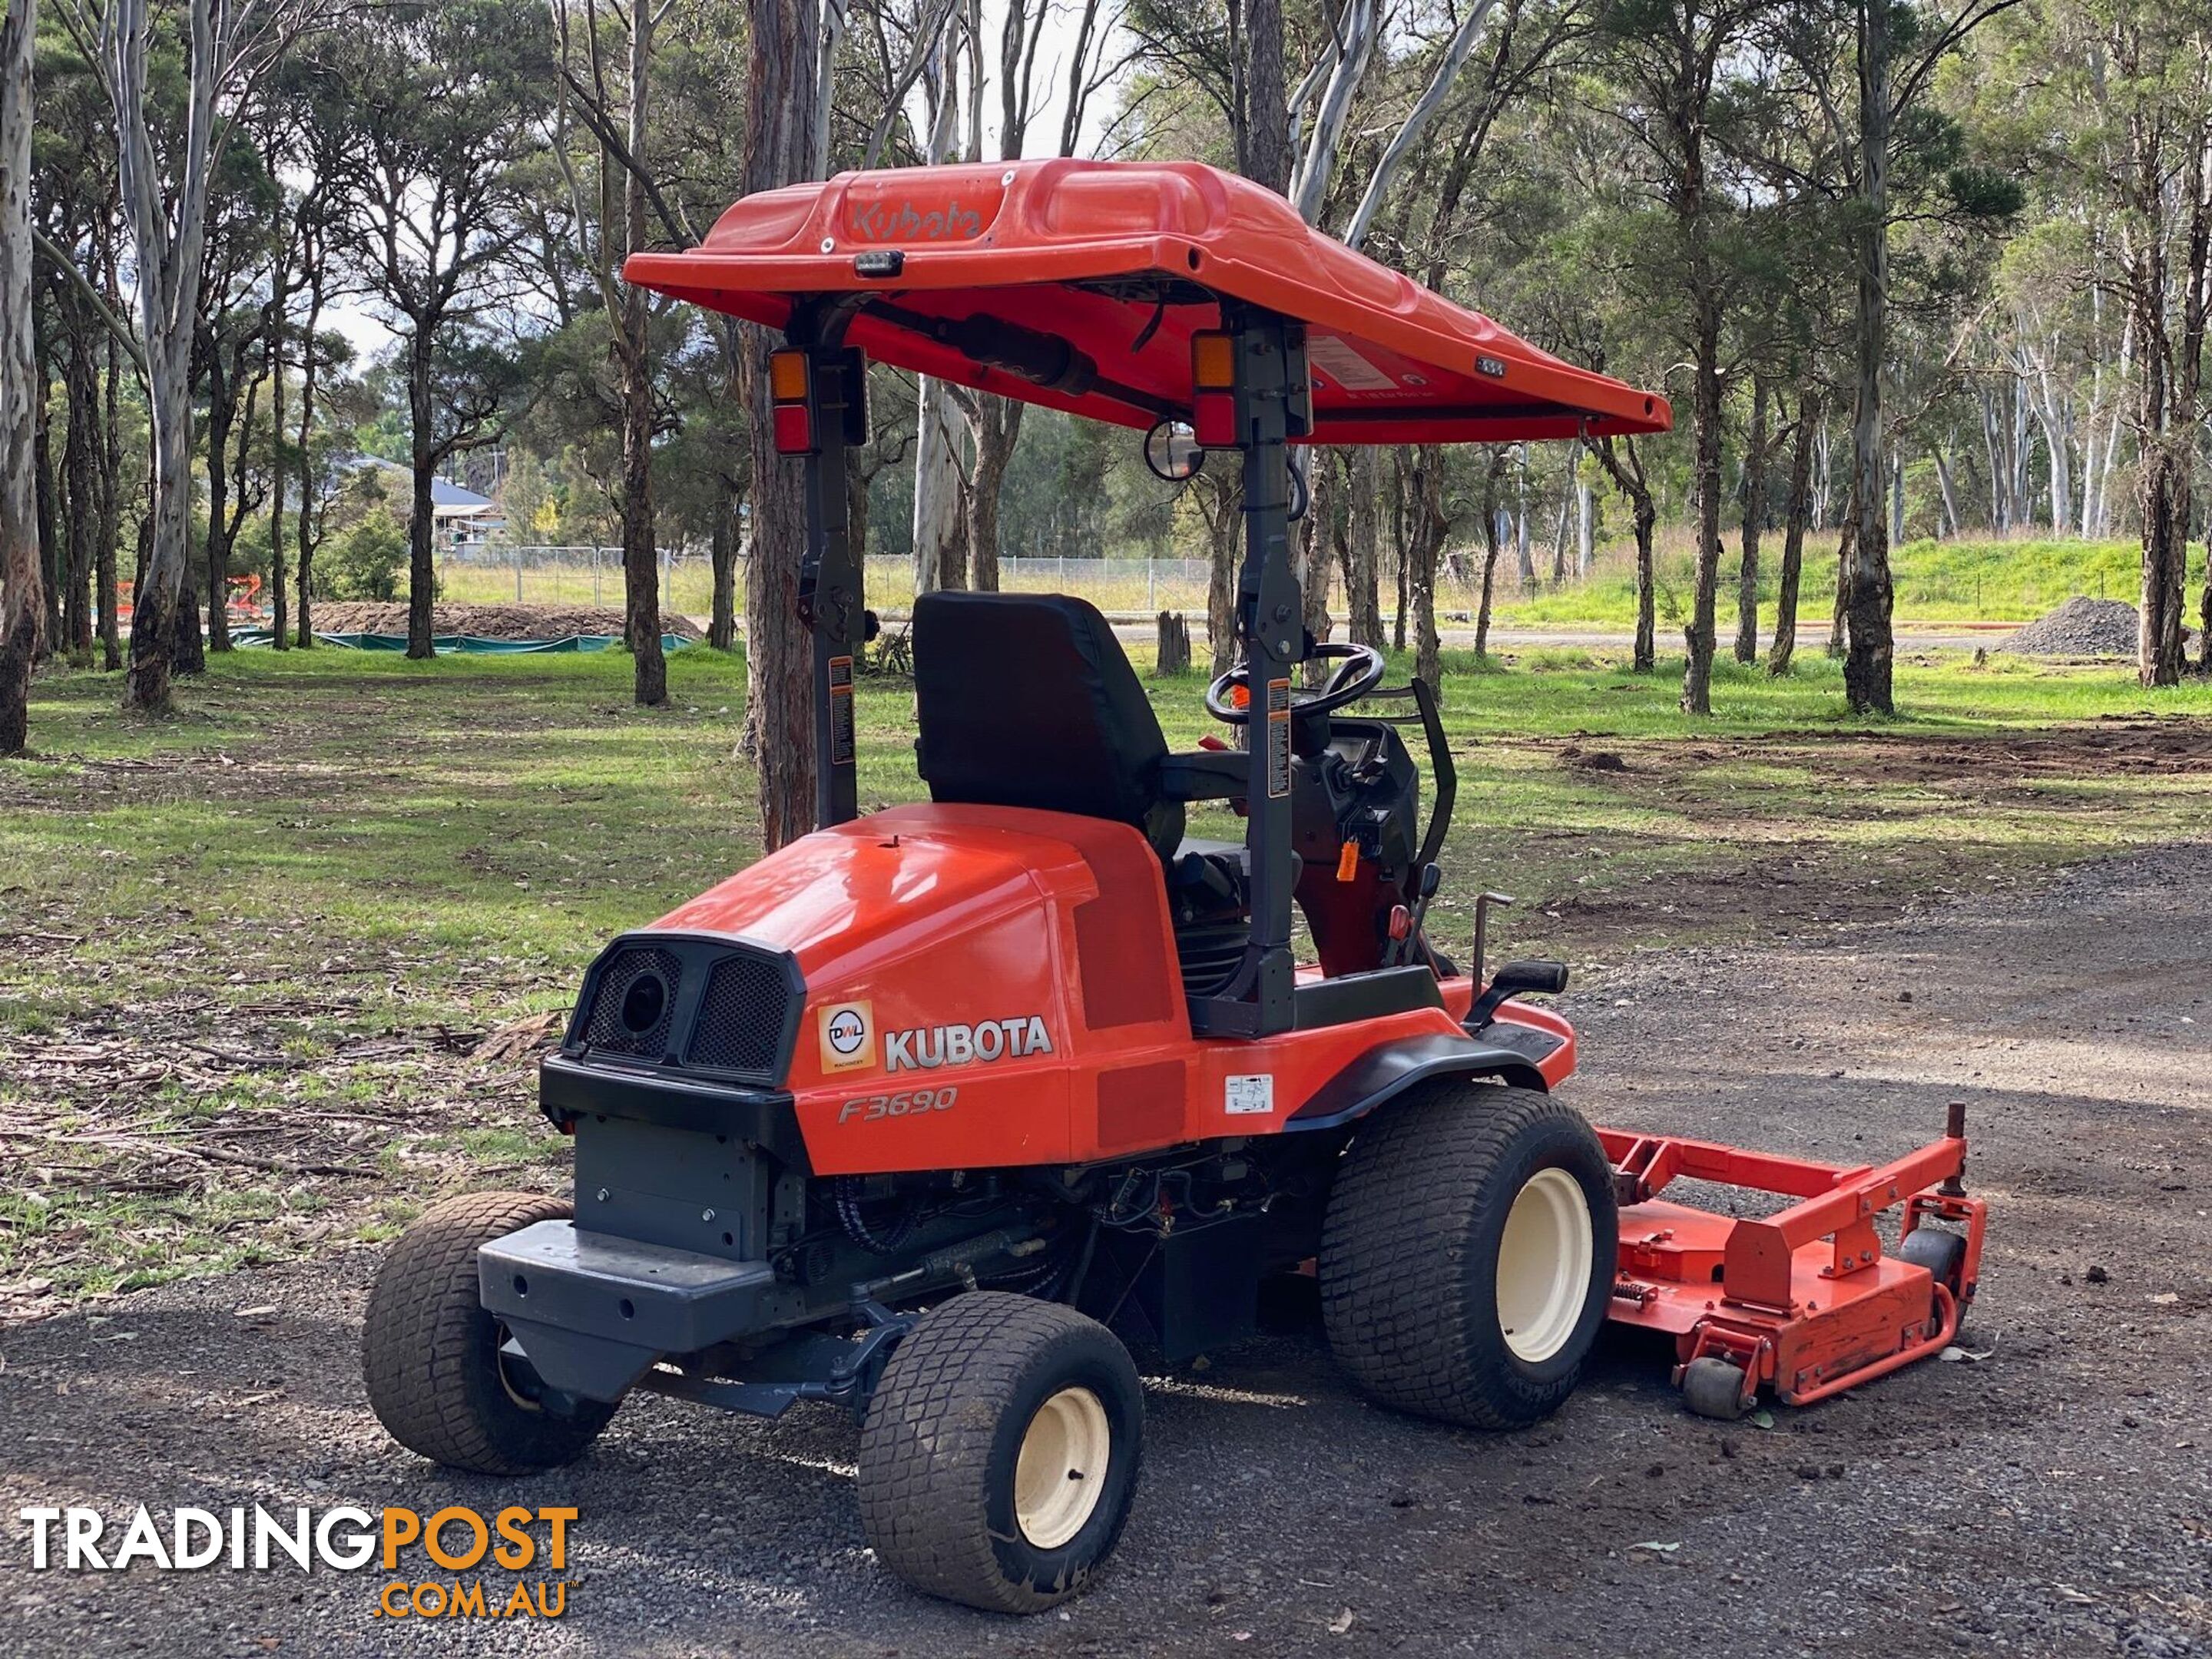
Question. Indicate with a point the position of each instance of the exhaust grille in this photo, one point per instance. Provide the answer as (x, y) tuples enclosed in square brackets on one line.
[(634, 1002), (743, 1016)]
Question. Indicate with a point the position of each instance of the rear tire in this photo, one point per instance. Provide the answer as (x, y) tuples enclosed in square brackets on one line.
[(1467, 1254), (429, 1352), (1001, 1451)]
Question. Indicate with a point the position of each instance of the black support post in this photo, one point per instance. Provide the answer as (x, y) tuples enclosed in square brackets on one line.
[(1271, 406), (831, 594)]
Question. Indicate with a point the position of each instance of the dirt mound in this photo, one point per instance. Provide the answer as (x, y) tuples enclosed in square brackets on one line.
[(489, 622), (2082, 627)]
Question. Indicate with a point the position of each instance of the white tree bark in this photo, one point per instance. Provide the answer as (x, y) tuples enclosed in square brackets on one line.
[(1417, 121), (1363, 28), (22, 599), (938, 516), (833, 36)]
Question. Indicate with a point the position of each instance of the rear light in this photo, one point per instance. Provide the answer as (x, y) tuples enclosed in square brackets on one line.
[(794, 420), (1213, 390), (794, 430), (1213, 420), (1213, 362)]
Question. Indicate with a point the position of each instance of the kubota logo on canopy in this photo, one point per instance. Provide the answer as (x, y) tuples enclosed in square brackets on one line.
[(880, 222), (928, 1047)]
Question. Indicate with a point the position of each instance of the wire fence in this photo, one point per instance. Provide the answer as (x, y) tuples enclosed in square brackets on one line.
[(494, 573)]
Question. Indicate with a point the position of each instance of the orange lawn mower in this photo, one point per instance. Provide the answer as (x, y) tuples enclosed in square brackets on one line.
[(925, 1113)]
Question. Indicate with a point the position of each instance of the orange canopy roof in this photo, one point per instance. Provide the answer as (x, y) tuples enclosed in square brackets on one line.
[(1124, 261)]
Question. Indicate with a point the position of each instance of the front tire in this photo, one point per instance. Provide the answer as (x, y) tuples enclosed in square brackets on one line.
[(1467, 1254), (1000, 1452), (429, 1351)]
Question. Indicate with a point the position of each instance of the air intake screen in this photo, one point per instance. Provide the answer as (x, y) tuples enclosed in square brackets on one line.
[(634, 1002), (741, 1021)]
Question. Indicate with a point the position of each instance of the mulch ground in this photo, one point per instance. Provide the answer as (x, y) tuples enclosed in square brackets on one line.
[(491, 621)]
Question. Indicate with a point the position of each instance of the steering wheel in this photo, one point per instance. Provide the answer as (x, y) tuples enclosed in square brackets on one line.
[(1362, 670)]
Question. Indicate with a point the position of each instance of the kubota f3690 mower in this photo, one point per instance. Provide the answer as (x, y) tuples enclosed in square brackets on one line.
[(916, 1113)]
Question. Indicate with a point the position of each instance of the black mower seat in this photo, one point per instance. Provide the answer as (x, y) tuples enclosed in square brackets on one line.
[(1028, 699)]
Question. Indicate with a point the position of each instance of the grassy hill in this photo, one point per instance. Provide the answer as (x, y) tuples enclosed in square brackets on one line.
[(1951, 581)]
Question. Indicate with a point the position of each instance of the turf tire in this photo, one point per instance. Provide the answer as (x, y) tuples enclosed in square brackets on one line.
[(429, 1351), (1410, 1245), (943, 1440)]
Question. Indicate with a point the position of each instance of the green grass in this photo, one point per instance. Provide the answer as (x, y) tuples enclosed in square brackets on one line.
[(276, 925), (1966, 580)]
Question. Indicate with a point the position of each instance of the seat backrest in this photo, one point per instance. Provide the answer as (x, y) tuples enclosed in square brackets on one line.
[(1028, 700)]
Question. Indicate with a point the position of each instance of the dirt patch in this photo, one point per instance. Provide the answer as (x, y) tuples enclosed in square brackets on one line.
[(491, 621), (2047, 1496)]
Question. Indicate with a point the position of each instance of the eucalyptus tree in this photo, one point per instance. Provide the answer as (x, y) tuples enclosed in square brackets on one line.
[(782, 95), (21, 598), (447, 104), (169, 131), (615, 217), (1899, 46), (1675, 65), (2126, 93)]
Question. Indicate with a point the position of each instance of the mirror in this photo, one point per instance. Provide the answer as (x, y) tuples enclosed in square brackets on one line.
[(1171, 450)]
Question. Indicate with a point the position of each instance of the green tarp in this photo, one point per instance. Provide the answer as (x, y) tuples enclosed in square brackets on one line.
[(464, 642)]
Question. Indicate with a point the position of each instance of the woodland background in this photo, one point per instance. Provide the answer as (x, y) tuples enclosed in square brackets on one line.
[(1906, 270)]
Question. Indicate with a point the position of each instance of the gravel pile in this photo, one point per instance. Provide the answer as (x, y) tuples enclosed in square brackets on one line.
[(2082, 627)]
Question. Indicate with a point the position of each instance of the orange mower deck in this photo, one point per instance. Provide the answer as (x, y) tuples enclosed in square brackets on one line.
[(1803, 1301)]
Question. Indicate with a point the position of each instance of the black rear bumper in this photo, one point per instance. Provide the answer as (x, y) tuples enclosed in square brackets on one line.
[(593, 1312), (569, 1088)]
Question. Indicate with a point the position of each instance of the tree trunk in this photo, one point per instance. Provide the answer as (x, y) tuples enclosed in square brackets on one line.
[(1317, 544), (1526, 571), (1798, 514), (780, 107), (722, 554), (940, 557), (21, 598), (1492, 546), (1645, 660), (111, 512), (1423, 553), (422, 573), (1223, 522), (312, 257), (998, 428), (1839, 627), (2163, 501), (641, 558), (1171, 653), (1267, 145), (187, 641), (1868, 651), (273, 366), (1363, 547), (1754, 522), (223, 412), (42, 486), (1697, 670), (1626, 468), (81, 457)]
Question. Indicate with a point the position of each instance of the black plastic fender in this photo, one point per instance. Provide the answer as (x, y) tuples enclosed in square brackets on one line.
[(1389, 1069)]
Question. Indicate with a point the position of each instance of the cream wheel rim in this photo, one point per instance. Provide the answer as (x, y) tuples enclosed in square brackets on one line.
[(1544, 1265), (1061, 1470)]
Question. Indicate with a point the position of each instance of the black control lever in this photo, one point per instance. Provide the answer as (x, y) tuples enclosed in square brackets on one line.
[(1513, 979)]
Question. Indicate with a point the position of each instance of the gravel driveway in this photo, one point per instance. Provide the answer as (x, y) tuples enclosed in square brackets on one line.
[(2054, 1496)]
